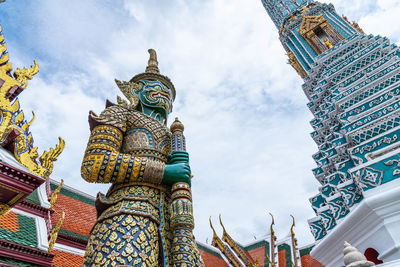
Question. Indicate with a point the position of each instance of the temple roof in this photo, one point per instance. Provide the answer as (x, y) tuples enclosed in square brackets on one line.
[(27, 228), (235, 247), (225, 249), (80, 212)]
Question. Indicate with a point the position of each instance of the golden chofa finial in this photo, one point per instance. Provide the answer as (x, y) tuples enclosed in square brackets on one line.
[(220, 222), (152, 65), (214, 233), (272, 224), (293, 225)]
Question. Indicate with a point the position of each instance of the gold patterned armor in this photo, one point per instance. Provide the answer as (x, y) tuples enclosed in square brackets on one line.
[(128, 149)]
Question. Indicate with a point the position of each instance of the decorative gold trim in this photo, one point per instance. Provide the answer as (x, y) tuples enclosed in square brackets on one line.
[(219, 244), (4, 209), (24, 74), (307, 27), (296, 65), (54, 232), (53, 197), (273, 239), (15, 199), (294, 243), (354, 24), (235, 247), (14, 130)]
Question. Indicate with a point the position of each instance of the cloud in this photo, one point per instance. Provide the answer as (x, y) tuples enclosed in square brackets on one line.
[(243, 108)]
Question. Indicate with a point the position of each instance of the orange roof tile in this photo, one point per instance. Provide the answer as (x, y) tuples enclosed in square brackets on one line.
[(64, 259), (308, 261), (79, 216), (211, 260), (9, 222)]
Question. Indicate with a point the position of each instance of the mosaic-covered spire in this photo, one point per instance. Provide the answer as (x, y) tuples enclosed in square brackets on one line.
[(308, 30), (279, 10)]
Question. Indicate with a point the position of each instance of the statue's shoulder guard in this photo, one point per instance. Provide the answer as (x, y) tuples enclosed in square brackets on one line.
[(113, 115)]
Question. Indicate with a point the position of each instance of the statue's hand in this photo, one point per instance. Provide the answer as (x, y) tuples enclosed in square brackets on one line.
[(178, 156), (176, 172)]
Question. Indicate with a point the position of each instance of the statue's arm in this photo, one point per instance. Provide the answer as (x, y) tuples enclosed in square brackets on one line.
[(104, 163)]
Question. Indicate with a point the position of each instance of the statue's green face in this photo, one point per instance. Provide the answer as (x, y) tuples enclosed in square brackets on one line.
[(156, 95)]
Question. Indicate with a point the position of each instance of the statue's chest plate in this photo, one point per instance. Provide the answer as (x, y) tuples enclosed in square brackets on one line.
[(146, 136)]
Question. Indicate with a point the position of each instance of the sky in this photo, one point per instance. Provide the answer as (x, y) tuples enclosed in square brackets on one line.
[(246, 121)]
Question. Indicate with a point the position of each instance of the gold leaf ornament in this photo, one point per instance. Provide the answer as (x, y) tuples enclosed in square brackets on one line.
[(130, 91), (48, 157), (23, 75), (54, 232), (53, 197)]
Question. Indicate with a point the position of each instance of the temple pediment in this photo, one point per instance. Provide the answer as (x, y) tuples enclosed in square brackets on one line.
[(311, 22)]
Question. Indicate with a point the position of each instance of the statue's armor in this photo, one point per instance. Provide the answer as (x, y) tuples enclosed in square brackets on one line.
[(128, 149)]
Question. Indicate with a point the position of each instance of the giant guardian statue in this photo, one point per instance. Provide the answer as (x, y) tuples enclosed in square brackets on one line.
[(145, 219)]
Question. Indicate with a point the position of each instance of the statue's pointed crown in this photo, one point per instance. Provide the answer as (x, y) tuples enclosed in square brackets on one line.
[(279, 10), (153, 73)]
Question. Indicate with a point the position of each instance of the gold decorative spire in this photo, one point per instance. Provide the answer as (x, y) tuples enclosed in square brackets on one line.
[(153, 63), (272, 259), (219, 244), (53, 197), (235, 247), (54, 233), (294, 243), (293, 225), (220, 221), (272, 224), (214, 233)]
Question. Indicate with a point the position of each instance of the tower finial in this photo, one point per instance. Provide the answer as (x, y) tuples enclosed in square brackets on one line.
[(279, 10), (153, 63)]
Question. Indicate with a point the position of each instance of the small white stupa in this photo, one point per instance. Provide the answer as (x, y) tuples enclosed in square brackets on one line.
[(354, 258)]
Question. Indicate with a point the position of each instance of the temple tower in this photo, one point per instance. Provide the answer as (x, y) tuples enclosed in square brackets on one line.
[(352, 82)]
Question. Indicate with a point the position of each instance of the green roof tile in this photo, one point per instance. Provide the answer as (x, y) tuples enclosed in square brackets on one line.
[(33, 198), (72, 234), (305, 251), (26, 235), (17, 262)]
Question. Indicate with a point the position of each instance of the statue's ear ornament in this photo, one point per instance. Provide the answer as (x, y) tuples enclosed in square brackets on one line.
[(131, 92)]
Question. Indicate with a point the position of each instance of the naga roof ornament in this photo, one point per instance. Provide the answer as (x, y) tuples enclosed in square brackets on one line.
[(235, 247), (223, 247), (14, 129)]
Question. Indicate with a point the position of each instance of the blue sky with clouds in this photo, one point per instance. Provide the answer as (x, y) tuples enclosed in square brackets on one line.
[(245, 114)]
